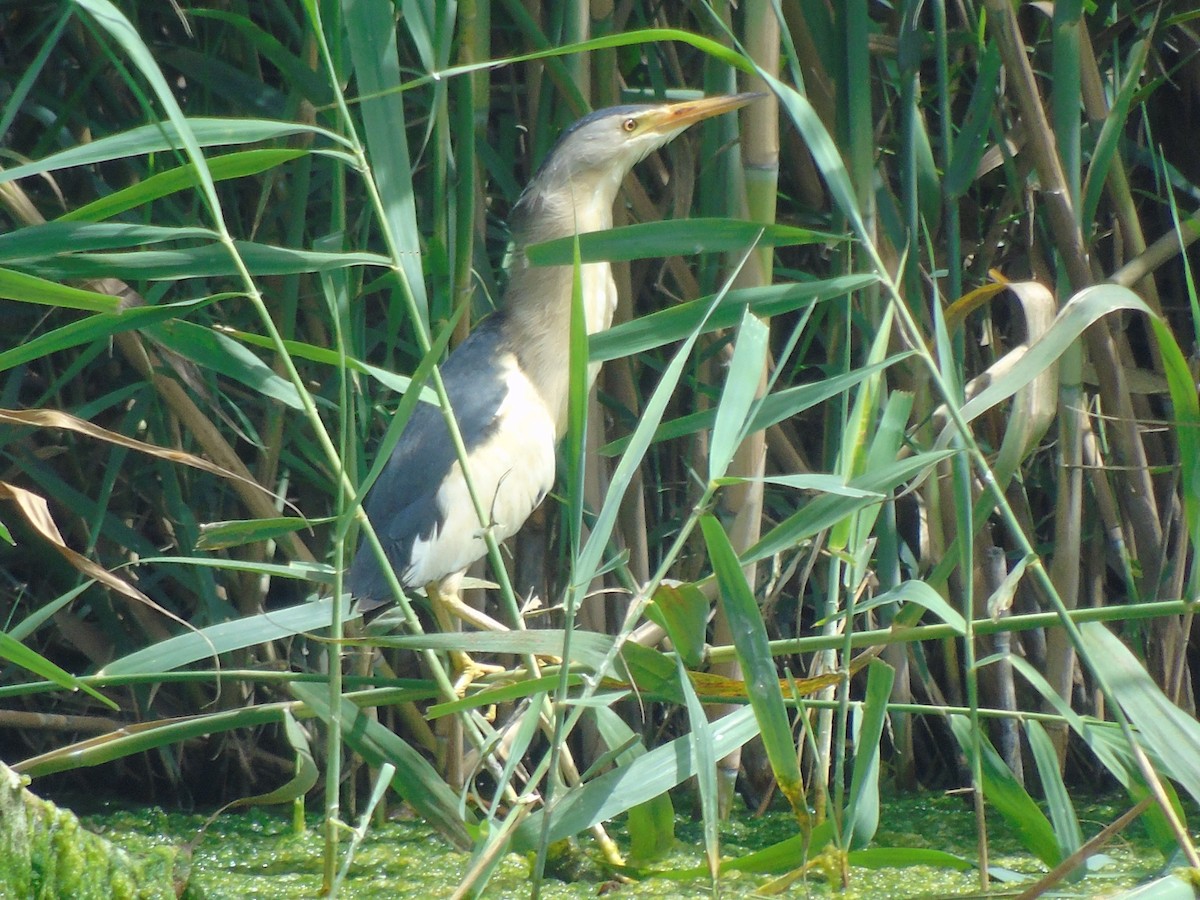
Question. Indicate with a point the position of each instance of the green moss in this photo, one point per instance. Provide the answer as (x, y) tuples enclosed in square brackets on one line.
[(49, 855), (16, 875)]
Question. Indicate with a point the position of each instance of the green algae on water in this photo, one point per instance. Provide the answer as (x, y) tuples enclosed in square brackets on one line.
[(257, 854)]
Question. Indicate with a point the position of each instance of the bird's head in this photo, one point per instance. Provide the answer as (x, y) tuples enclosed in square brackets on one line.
[(594, 155)]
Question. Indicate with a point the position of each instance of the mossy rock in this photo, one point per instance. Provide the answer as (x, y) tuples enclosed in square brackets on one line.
[(48, 854)]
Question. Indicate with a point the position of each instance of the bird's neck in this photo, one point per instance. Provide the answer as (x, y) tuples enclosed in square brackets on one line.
[(538, 300)]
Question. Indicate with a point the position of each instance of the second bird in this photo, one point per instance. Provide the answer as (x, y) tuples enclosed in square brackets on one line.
[(507, 382)]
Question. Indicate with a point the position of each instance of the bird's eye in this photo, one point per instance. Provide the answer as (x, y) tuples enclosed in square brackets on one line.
[(630, 125)]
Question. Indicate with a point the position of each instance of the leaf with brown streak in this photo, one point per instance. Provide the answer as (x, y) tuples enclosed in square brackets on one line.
[(52, 418), (36, 511)]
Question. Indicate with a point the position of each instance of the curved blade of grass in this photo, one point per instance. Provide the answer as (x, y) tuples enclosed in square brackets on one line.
[(422, 30), (163, 184), (682, 610), (700, 743), (617, 790), (1113, 129), (415, 779), (217, 352), (1168, 731), (1035, 406), (1005, 794), (371, 37), (53, 238), (98, 327), (1109, 744), (1058, 798), (862, 807), (1105, 740), (922, 595), (215, 639), (625, 39), (32, 622), (758, 666), (223, 535), (737, 399), (398, 383), (52, 418), (775, 407), (18, 654), (675, 324), (970, 144), (36, 512), (822, 147), (821, 484), (306, 775), (209, 261), (673, 237), (159, 137), (139, 737), (651, 824), (1082, 311), (302, 570), (828, 509), (1185, 409), (32, 289)]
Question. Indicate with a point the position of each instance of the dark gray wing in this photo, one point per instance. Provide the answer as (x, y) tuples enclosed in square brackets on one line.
[(402, 503)]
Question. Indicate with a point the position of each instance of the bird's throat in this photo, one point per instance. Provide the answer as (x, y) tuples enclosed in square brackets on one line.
[(538, 299), (540, 325)]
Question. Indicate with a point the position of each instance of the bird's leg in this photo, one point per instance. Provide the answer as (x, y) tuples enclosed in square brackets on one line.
[(453, 603), (446, 604)]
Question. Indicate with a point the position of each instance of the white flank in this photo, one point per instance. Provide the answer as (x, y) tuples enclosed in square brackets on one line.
[(512, 471)]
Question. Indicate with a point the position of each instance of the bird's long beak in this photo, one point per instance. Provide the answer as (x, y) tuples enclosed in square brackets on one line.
[(674, 117)]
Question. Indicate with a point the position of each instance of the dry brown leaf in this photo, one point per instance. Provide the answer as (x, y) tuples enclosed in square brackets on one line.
[(52, 418), (36, 511)]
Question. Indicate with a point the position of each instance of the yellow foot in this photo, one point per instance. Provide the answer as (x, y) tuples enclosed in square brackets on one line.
[(466, 671)]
